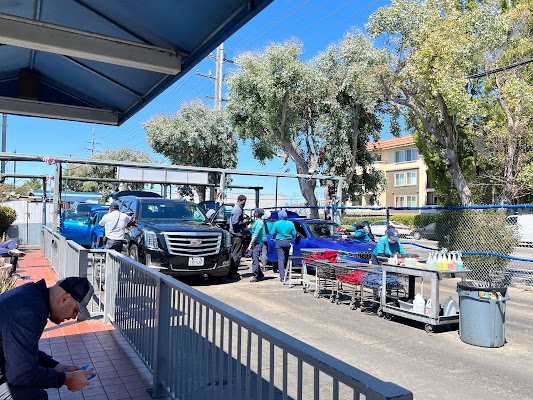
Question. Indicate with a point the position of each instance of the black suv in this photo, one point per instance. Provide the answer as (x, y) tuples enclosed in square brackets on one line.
[(175, 237)]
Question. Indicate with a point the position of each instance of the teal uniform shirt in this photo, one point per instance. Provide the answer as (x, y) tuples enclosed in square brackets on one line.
[(384, 247), (258, 231), (283, 230), (362, 234)]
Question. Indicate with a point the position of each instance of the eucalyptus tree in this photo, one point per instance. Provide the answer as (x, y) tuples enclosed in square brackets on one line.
[(196, 135), (314, 113), (433, 46), (507, 130)]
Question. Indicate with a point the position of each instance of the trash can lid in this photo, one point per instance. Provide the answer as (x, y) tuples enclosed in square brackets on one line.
[(481, 286)]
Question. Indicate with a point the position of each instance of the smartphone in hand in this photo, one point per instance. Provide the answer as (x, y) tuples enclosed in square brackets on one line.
[(85, 368)]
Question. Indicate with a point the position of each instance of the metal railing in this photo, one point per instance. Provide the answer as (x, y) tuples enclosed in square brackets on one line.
[(200, 348)]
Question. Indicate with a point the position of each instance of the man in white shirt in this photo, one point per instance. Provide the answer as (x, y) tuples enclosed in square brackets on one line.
[(115, 224)]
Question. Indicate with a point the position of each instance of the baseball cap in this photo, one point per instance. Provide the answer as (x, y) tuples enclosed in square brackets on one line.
[(260, 211), (282, 214), (393, 234), (114, 206), (81, 290)]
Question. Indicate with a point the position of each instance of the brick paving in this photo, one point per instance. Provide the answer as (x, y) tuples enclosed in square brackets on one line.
[(120, 372)]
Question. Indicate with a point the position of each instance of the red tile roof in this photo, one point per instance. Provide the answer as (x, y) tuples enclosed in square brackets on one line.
[(406, 140)]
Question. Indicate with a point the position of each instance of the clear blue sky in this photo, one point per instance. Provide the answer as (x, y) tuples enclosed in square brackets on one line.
[(316, 23)]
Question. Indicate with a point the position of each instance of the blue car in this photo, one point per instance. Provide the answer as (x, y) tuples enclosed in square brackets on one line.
[(82, 227), (319, 234)]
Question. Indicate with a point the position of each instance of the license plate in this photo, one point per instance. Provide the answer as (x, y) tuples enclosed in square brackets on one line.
[(196, 261)]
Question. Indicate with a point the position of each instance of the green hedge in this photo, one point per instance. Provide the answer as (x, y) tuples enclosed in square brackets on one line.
[(7, 217), (412, 220)]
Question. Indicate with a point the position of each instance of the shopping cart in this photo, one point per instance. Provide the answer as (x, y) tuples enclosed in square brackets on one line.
[(349, 282), (372, 285)]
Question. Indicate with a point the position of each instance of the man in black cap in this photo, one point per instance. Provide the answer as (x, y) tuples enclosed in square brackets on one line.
[(237, 225), (25, 372)]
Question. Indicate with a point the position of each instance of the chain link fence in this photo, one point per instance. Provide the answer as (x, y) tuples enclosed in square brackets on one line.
[(496, 242)]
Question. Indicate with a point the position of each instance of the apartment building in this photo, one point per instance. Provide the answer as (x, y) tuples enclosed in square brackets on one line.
[(406, 173)]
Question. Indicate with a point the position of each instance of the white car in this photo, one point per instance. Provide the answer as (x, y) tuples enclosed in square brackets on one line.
[(379, 228), (523, 224)]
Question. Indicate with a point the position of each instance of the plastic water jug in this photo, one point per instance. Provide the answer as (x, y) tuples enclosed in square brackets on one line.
[(449, 306), (460, 262), (418, 304), (428, 307)]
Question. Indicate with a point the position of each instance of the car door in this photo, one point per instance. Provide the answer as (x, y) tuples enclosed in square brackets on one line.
[(301, 240), (76, 227)]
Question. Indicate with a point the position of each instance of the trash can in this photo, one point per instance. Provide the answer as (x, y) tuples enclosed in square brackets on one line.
[(482, 313)]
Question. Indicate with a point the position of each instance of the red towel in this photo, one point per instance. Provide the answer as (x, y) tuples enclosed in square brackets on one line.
[(355, 278), (330, 255)]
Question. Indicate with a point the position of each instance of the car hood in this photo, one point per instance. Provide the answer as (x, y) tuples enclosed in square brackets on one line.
[(161, 225), (348, 244)]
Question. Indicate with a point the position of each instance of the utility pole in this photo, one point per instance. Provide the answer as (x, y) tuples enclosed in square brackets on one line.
[(92, 142), (4, 133), (218, 77), (220, 59)]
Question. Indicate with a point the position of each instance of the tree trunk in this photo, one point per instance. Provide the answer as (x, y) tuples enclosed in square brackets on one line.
[(458, 178), (200, 190), (307, 187), (508, 193)]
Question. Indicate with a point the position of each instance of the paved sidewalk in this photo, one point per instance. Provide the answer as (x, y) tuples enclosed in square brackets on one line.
[(120, 372)]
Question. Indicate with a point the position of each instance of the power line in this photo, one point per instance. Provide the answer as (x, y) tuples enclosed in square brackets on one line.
[(496, 70)]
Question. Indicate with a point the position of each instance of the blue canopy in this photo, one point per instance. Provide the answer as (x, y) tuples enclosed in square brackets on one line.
[(100, 60)]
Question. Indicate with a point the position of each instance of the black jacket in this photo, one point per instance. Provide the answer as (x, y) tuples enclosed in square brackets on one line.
[(24, 312)]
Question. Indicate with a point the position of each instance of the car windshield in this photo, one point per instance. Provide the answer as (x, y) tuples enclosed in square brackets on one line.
[(171, 210), (72, 216), (323, 229)]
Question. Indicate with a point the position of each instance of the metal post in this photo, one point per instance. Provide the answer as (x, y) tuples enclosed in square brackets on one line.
[(161, 341), (44, 201), (4, 133), (257, 197), (276, 203), (57, 195), (336, 215), (222, 189), (165, 191)]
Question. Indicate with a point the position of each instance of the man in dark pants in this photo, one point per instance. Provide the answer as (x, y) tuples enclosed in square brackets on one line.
[(237, 224), (25, 372)]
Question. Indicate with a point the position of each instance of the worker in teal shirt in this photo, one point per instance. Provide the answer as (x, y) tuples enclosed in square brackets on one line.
[(283, 232), (388, 246), (258, 234)]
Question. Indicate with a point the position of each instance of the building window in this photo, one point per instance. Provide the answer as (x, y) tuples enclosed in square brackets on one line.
[(406, 155), (405, 179), (411, 178), (377, 157), (405, 201)]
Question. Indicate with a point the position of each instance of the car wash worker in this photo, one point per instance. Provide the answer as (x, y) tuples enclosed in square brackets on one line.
[(387, 246)]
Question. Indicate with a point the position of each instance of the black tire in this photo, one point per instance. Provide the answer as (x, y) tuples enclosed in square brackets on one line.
[(417, 235), (429, 328), (133, 252)]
